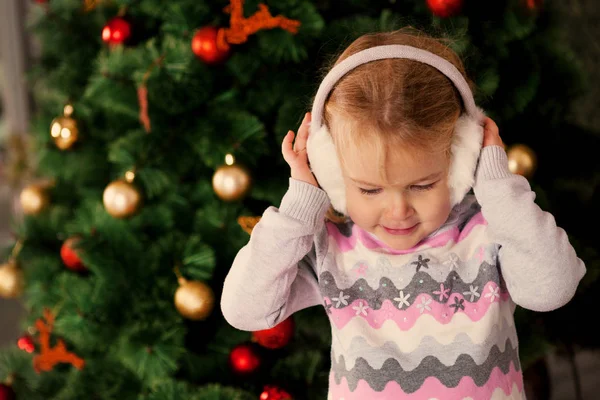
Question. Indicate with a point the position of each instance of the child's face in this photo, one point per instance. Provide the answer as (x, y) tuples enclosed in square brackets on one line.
[(405, 201)]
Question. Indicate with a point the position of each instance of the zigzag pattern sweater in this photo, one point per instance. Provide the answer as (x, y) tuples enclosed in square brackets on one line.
[(432, 322)]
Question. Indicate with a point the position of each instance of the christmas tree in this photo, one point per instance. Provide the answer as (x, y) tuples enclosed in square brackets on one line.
[(157, 136)]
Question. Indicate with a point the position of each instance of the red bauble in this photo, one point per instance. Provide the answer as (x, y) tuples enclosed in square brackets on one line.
[(116, 31), (204, 46), (445, 8), (276, 337), (534, 5), (26, 343), (69, 255), (244, 359), (6, 392), (274, 393)]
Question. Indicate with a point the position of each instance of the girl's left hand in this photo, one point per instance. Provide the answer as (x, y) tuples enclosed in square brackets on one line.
[(491, 134)]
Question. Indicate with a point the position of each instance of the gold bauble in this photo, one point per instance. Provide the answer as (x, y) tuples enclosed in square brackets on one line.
[(522, 160), (194, 300), (122, 199), (34, 199), (64, 130), (231, 182), (11, 280), (248, 223)]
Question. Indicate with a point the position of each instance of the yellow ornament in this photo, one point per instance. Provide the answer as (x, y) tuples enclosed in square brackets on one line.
[(194, 300), (34, 198), (231, 181), (522, 160), (122, 198), (11, 280), (248, 223), (64, 129)]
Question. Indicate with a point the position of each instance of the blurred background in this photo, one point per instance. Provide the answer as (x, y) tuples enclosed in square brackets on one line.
[(19, 50)]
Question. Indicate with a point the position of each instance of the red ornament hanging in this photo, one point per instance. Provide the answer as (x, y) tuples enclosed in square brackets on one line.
[(445, 8), (533, 5), (70, 257), (271, 392), (26, 344), (204, 46), (244, 359), (116, 31), (276, 337), (6, 392)]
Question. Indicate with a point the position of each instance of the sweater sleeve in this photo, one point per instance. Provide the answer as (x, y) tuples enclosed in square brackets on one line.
[(274, 275), (538, 263)]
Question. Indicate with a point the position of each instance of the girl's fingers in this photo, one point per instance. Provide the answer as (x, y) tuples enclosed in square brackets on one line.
[(286, 147), (490, 126), (491, 134), (302, 137)]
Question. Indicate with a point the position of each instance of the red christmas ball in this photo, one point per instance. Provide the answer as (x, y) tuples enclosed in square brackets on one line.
[(204, 46), (277, 336), (271, 392), (26, 343), (69, 255), (6, 392), (445, 8), (116, 31), (534, 5), (244, 359)]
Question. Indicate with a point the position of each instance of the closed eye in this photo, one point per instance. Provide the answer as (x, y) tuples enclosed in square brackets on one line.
[(422, 187), (369, 192), (418, 188)]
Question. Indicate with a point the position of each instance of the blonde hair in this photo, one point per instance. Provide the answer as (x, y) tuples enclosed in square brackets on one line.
[(396, 106)]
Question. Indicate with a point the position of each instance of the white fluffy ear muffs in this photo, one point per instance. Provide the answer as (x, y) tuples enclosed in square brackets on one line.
[(466, 143), (466, 146), (326, 167)]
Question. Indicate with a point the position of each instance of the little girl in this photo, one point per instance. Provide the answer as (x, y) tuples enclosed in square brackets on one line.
[(419, 275)]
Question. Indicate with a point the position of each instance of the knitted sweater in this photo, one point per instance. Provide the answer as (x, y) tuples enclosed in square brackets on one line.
[(433, 321)]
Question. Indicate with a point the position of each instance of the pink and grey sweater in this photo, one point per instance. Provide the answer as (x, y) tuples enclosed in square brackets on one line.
[(432, 322)]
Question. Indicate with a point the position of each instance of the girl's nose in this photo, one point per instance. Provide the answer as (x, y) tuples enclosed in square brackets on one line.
[(400, 208)]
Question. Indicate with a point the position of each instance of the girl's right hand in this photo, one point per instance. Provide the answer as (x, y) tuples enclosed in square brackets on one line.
[(296, 155)]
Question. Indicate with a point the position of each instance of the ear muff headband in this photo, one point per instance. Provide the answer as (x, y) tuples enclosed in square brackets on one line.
[(467, 137)]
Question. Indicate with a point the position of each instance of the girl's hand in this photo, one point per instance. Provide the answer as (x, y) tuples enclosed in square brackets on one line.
[(491, 135), (296, 155)]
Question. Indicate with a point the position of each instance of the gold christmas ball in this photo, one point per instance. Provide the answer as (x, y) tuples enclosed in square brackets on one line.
[(64, 130), (34, 199), (11, 280), (122, 199), (194, 300), (522, 160), (248, 223), (231, 182)]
